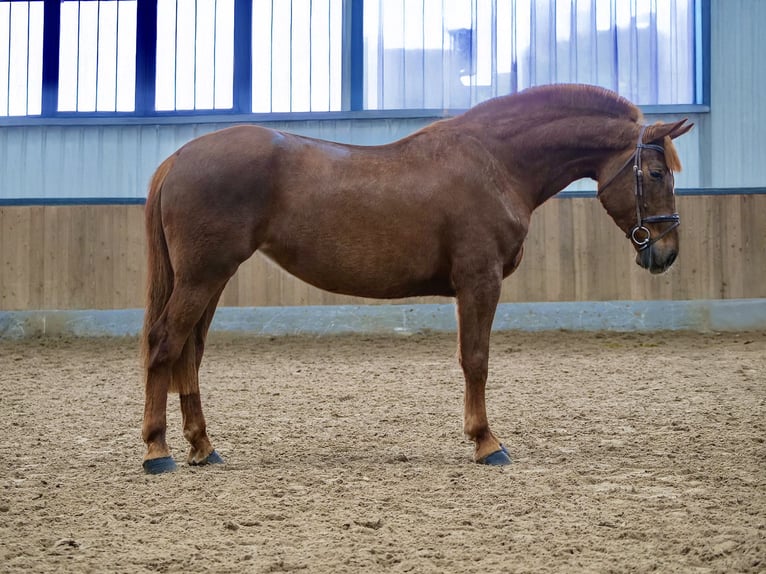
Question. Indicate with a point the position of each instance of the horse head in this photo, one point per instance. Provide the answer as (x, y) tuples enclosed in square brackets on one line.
[(641, 200)]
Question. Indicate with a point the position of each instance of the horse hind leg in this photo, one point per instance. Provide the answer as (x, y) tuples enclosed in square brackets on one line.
[(187, 370), (168, 367)]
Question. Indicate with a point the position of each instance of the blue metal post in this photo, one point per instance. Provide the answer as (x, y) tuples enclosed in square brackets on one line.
[(356, 55), (51, 31), (146, 56), (243, 56)]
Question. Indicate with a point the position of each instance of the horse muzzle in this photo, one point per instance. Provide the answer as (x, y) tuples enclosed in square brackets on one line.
[(656, 259)]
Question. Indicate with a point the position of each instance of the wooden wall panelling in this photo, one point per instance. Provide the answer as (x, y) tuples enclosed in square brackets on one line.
[(753, 258), (93, 256), (55, 245), (136, 257), (15, 261)]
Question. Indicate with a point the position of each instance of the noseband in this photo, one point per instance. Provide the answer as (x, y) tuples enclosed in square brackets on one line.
[(639, 234)]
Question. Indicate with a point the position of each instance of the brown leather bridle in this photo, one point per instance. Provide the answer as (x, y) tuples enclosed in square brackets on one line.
[(639, 234)]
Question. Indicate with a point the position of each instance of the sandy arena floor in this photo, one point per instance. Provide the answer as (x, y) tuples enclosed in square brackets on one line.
[(632, 453)]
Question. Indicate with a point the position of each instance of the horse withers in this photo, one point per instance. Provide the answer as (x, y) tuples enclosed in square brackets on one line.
[(444, 211)]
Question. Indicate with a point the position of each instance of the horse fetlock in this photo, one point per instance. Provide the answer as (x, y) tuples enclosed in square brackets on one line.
[(194, 433), (198, 454), (475, 430), (475, 424), (156, 449), (197, 438), (153, 431), (485, 443)]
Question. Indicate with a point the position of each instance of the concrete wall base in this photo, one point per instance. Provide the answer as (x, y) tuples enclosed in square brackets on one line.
[(621, 316)]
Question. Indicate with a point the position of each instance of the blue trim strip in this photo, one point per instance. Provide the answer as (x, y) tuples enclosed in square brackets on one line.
[(722, 191), (689, 191), (52, 201)]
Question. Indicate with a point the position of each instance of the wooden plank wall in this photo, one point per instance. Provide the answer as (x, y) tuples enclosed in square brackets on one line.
[(92, 257)]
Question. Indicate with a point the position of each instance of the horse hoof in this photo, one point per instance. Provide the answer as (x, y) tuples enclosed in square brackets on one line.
[(159, 465), (212, 458), (497, 458)]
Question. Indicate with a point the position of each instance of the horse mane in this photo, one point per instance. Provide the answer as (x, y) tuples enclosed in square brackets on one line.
[(671, 155), (570, 99)]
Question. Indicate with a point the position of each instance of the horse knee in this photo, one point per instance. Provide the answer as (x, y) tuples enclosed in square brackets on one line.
[(475, 428), (193, 431), (474, 365)]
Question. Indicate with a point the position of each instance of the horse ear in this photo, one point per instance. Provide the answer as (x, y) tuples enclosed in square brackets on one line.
[(659, 131)]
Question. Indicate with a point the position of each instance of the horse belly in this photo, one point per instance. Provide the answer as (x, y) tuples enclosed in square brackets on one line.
[(373, 266)]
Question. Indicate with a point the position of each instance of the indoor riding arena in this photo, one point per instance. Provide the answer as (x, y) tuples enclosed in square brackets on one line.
[(468, 319)]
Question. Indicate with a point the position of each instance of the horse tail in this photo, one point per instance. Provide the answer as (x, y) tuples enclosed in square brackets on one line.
[(159, 282)]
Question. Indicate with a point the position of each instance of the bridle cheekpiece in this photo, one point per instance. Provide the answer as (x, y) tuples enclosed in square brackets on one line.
[(639, 234)]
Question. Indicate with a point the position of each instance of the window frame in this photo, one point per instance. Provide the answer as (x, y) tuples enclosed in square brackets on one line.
[(352, 83)]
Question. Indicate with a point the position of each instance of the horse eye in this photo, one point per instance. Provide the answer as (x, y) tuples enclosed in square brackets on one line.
[(656, 174)]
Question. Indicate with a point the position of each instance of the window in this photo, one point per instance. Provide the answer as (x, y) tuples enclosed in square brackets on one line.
[(21, 60), (438, 54), (97, 56), (195, 54), (297, 55)]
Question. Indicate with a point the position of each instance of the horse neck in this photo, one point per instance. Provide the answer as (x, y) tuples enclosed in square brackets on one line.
[(544, 155)]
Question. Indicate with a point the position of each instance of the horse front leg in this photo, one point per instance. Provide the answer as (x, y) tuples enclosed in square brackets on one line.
[(476, 305)]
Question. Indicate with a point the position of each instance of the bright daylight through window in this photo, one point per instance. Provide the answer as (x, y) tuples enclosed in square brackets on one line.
[(413, 54)]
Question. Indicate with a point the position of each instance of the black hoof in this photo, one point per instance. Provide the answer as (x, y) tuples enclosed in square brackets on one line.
[(497, 458), (212, 458), (159, 465)]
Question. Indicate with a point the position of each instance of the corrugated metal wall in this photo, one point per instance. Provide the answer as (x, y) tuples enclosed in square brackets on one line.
[(118, 160), (734, 132)]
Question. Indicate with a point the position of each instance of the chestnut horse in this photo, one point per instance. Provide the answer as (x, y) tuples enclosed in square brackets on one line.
[(444, 211)]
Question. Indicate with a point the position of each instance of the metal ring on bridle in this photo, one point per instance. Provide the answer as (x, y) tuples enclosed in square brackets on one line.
[(634, 235)]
